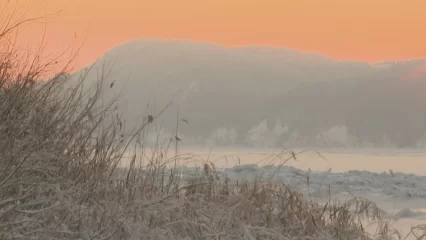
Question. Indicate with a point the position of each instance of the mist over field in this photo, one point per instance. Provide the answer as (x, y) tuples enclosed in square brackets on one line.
[(266, 97)]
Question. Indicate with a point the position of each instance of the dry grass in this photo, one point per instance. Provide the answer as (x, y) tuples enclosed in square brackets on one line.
[(59, 177)]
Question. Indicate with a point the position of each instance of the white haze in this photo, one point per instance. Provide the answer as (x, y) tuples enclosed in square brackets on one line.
[(264, 96)]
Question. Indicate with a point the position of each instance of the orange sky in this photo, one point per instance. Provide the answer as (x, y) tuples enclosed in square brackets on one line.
[(367, 30)]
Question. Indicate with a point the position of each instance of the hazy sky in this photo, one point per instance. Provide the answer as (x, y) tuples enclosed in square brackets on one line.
[(367, 30)]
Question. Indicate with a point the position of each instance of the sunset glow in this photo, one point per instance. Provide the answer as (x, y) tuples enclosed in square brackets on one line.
[(362, 30)]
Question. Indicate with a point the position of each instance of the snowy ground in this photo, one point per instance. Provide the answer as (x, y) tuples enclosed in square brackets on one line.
[(394, 180), (392, 190)]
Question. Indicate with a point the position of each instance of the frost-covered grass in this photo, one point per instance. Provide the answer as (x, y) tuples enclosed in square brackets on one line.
[(59, 152)]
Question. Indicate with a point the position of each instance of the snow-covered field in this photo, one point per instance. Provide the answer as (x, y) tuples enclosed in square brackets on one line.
[(394, 179)]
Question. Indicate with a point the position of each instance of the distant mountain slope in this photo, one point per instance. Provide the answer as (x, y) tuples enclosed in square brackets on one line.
[(237, 88)]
